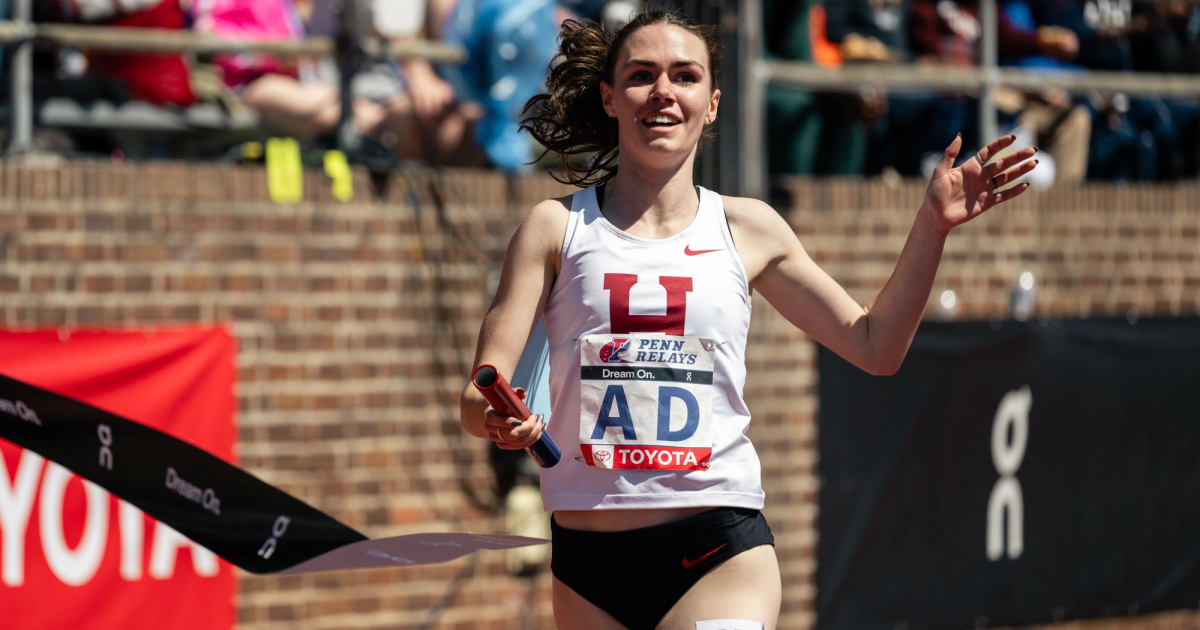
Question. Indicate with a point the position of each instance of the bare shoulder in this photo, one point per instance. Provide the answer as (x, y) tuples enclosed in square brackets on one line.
[(543, 229), (760, 233), (553, 209), (762, 237), (550, 214), (753, 217)]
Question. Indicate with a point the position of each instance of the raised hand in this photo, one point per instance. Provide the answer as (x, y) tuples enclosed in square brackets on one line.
[(957, 195)]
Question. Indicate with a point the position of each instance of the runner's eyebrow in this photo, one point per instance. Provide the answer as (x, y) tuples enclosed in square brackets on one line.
[(683, 63)]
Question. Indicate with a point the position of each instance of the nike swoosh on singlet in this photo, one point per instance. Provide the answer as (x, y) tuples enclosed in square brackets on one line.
[(687, 249), (687, 564)]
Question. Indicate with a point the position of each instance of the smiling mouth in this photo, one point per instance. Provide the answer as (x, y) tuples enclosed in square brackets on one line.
[(660, 121)]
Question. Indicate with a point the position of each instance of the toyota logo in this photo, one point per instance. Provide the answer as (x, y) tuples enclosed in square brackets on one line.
[(602, 455)]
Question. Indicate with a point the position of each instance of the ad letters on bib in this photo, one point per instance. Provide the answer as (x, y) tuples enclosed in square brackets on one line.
[(654, 410)]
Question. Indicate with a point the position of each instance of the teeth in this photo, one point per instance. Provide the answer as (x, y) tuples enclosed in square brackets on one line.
[(660, 119)]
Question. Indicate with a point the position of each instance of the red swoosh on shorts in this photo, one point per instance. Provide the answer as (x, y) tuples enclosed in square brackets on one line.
[(687, 249), (687, 564)]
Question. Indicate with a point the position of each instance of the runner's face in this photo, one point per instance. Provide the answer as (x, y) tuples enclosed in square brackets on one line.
[(662, 92)]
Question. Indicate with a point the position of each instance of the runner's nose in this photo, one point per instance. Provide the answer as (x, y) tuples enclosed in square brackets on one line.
[(664, 90)]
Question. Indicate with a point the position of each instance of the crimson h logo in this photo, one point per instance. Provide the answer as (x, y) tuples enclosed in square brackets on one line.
[(619, 284)]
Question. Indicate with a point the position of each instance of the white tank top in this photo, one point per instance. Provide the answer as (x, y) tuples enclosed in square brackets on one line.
[(647, 364)]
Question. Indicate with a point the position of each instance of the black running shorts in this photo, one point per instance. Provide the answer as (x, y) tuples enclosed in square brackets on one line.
[(637, 575)]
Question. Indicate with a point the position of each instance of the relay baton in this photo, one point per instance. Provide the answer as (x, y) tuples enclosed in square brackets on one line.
[(501, 396)]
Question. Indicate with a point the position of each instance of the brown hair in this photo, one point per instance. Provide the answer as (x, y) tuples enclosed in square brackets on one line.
[(569, 119)]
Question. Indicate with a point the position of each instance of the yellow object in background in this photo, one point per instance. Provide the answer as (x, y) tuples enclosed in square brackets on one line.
[(252, 151), (524, 516), (285, 175), (338, 169)]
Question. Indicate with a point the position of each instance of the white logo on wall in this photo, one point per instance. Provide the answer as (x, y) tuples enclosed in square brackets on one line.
[(78, 566), (1012, 419)]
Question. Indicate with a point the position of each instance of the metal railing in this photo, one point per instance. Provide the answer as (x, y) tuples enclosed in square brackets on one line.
[(158, 40), (850, 78), (984, 79)]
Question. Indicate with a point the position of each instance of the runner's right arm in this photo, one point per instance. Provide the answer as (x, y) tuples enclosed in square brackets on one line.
[(530, 267)]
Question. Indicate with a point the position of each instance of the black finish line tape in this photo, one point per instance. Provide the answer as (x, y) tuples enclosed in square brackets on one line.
[(239, 517)]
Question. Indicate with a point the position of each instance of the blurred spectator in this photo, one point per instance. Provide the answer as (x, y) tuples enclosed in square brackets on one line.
[(949, 32), (611, 14), (585, 9), (511, 44), (1165, 37), (1115, 148), (790, 114), (1174, 126), (302, 100), (442, 120), (5, 14), (1133, 139), (271, 85), (1023, 42), (1058, 126), (159, 79), (811, 133), (945, 32), (252, 20), (1120, 149), (918, 126), (1099, 26), (868, 30), (618, 13)]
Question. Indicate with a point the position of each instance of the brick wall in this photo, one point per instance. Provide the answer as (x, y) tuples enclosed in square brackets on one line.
[(357, 323), (1098, 250)]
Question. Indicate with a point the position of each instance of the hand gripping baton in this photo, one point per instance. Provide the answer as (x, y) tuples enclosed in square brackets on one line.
[(501, 396)]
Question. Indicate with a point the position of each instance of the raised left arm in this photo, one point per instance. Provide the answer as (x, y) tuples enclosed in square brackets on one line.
[(876, 337)]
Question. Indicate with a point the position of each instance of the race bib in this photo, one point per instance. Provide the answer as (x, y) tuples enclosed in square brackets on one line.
[(646, 401)]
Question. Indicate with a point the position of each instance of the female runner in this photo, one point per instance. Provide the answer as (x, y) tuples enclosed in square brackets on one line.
[(644, 281)]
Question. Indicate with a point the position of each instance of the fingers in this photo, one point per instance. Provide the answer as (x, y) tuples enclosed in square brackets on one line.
[(995, 146), (1010, 160), (512, 434), (521, 437), (947, 161), (520, 391), (1005, 195), (493, 420), (525, 433), (1014, 174)]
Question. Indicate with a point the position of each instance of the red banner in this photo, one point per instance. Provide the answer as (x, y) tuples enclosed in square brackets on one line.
[(71, 555)]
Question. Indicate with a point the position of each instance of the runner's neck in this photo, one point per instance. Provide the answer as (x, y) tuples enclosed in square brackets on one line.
[(646, 210)]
